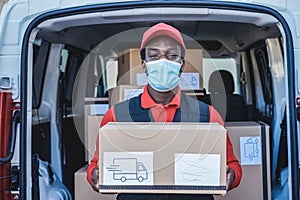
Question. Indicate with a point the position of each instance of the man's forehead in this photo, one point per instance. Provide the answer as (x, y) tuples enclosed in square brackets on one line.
[(163, 41), (162, 49)]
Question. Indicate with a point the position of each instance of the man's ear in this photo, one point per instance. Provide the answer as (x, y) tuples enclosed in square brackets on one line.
[(144, 66), (182, 67)]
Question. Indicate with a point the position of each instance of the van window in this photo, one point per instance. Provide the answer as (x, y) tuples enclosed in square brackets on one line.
[(229, 64), (40, 58), (64, 60), (96, 84)]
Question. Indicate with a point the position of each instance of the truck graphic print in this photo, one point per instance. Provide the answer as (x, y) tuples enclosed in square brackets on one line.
[(128, 169)]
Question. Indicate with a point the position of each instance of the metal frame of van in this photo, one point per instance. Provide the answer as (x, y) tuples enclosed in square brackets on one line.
[(25, 159), (237, 6)]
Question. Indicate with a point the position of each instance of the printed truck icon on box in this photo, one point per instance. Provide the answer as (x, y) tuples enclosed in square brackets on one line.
[(128, 169)]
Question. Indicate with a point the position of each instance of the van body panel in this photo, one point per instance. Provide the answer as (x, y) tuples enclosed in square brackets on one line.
[(18, 18)]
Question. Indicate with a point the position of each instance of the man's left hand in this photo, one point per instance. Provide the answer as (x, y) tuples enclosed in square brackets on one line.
[(229, 178)]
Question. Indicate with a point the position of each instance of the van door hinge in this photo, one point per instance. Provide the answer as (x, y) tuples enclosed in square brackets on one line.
[(298, 108), (15, 176)]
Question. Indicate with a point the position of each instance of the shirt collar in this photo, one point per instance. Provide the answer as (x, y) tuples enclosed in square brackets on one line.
[(148, 102)]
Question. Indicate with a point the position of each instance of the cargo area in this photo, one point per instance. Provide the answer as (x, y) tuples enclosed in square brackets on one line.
[(85, 62)]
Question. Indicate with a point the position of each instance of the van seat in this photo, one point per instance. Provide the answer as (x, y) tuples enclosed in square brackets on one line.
[(230, 106)]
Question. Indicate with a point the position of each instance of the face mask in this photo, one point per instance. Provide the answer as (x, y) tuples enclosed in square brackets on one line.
[(163, 75)]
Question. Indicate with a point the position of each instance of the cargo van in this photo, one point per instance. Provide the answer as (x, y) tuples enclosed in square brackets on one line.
[(61, 61)]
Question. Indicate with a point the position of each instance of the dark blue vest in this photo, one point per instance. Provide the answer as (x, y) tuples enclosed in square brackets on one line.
[(191, 110)]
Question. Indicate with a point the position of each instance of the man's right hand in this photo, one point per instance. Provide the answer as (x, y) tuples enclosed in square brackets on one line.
[(95, 179)]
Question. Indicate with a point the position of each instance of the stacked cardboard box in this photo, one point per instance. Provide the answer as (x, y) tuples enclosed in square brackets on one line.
[(83, 190), (123, 92), (94, 109), (250, 141)]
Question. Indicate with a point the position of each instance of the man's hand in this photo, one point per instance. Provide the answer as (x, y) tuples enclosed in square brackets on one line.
[(95, 179), (229, 178)]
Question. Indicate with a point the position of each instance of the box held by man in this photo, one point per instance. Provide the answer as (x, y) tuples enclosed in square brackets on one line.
[(162, 158)]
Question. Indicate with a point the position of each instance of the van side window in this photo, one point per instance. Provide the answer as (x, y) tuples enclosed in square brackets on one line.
[(262, 60), (213, 64), (93, 72), (221, 81), (74, 62), (40, 58)]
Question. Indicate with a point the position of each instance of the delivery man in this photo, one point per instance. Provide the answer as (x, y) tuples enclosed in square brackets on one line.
[(162, 53)]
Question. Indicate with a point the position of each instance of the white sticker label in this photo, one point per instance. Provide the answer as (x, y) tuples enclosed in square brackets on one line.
[(128, 168), (98, 109), (189, 81), (197, 169), (250, 148), (129, 93)]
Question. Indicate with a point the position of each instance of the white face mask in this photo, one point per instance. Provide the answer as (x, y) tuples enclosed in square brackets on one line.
[(163, 75)]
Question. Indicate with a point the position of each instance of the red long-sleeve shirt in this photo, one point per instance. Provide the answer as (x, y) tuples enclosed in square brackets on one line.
[(166, 113)]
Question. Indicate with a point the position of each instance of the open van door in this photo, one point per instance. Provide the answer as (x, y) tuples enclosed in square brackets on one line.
[(65, 59), (6, 114)]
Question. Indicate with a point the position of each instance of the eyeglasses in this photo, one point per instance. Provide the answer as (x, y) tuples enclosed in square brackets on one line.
[(155, 54)]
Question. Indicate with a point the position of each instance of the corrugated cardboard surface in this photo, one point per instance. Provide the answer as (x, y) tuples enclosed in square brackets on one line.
[(253, 185), (164, 140), (93, 123), (83, 190)]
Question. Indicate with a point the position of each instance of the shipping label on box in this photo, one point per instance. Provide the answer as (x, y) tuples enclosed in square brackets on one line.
[(190, 81), (250, 150), (162, 158), (129, 93), (123, 92), (128, 168), (197, 169)]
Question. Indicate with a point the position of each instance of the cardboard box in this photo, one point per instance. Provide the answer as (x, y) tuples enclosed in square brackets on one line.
[(123, 92), (250, 141), (93, 124), (162, 158), (130, 66), (83, 190), (92, 112)]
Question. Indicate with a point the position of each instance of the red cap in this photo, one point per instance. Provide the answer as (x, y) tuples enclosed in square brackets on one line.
[(162, 29)]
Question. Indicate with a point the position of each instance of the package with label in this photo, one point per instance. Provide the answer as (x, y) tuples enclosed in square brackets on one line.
[(250, 141), (138, 157), (123, 92)]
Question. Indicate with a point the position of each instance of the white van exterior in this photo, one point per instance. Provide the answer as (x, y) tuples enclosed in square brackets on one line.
[(68, 29)]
